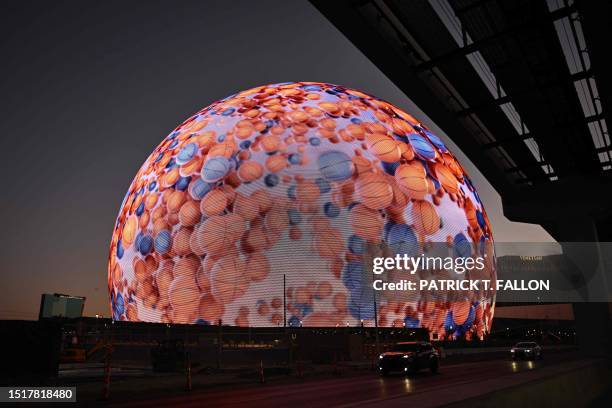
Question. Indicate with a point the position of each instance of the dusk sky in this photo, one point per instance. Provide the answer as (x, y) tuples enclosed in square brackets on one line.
[(89, 89)]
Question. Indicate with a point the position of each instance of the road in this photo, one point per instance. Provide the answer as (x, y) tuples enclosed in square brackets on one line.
[(370, 389)]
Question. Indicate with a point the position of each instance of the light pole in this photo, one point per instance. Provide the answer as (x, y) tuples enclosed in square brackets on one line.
[(284, 300)]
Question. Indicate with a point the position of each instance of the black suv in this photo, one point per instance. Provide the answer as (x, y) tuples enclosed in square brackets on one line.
[(409, 357)]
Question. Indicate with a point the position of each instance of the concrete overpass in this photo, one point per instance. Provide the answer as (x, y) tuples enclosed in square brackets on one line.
[(524, 89)]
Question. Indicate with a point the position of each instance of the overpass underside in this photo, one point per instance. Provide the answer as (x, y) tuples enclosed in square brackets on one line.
[(523, 88)]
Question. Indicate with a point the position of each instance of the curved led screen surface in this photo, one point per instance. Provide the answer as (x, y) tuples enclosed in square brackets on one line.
[(292, 184)]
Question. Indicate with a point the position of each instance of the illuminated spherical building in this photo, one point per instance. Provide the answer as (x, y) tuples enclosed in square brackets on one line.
[(301, 181)]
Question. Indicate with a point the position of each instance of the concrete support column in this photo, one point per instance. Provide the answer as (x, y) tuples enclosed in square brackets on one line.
[(579, 240)]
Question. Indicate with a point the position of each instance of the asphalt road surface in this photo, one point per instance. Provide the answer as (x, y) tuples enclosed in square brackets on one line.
[(363, 389)]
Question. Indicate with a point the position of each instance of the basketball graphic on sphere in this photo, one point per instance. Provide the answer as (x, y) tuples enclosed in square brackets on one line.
[(422, 146), (250, 171), (446, 177), (214, 203), (303, 180), (215, 169), (366, 222), (374, 190), (189, 214), (384, 147), (411, 179), (425, 217), (274, 164)]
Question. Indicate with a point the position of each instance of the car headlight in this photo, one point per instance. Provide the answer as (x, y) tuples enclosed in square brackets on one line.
[(512, 350), (527, 351), (380, 357), (405, 356)]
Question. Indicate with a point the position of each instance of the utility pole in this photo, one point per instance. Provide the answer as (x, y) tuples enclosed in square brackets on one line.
[(284, 300), (368, 259), (376, 325), (219, 342)]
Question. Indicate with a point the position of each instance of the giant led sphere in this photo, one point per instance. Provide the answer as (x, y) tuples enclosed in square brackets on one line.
[(296, 184)]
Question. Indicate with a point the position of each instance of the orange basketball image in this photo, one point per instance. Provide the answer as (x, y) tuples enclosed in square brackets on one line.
[(129, 230), (180, 241), (446, 178), (184, 293), (470, 213), (187, 266), (228, 279), (189, 214), (274, 164), (362, 165), (328, 243), (175, 201), (425, 217), (383, 147), (374, 190), (366, 222), (258, 266), (245, 207), (412, 181), (214, 203), (210, 309), (250, 171), (225, 149), (270, 143), (406, 151)]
